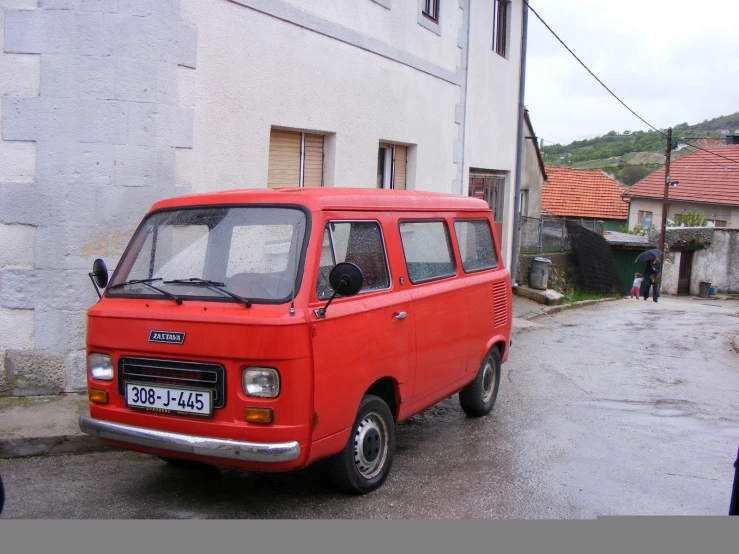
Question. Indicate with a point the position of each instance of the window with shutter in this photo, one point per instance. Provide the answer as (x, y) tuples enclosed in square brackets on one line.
[(392, 160), (313, 161), (400, 163), (295, 159)]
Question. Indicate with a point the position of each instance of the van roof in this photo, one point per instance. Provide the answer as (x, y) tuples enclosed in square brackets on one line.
[(333, 198)]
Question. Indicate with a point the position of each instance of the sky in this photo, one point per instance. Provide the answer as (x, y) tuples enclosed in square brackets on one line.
[(671, 61)]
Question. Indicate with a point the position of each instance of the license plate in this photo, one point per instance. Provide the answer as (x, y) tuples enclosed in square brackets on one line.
[(169, 400)]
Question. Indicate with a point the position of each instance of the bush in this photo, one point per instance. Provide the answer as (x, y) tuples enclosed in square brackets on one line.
[(637, 230), (691, 219)]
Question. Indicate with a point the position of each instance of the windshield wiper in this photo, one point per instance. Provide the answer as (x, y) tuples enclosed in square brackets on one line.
[(213, 285), (146, 282)]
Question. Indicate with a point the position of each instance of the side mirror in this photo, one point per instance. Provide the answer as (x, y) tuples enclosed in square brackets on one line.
[(99, 275), (346, 279)]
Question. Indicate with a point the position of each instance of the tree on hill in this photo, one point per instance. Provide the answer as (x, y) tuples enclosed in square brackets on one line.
[(633, 174)]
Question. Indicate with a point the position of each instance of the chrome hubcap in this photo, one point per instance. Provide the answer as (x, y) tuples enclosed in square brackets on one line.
[(488, 382), (370, 445)]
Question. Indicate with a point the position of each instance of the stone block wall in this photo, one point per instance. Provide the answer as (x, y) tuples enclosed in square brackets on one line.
[(89, 126), (561, 271)]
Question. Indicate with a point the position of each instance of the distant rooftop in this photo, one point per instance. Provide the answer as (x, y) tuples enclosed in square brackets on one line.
[(704, 176), (582, 193), (614, 238)]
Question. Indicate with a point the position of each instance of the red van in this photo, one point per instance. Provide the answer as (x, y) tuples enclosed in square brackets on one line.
[(269, 329)]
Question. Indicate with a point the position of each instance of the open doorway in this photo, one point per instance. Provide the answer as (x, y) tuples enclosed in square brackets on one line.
[(686, 269)]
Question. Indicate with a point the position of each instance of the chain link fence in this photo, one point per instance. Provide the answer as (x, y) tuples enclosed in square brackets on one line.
[(549, 234)]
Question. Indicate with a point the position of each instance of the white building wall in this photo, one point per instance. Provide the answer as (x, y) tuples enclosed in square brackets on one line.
[(108, 106), (717, 264), (19, 77), (256, 71), (730, 214), (492, 105), (89, 125), (396, 26)]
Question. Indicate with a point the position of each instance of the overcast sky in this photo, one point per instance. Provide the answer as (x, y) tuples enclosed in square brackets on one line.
[(671, 61)]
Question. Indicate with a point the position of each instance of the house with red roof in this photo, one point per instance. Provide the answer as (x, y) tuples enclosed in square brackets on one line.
[(707, 181), (587, 194)]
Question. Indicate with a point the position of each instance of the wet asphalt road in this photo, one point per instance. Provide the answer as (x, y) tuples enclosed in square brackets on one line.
[(624, 408)]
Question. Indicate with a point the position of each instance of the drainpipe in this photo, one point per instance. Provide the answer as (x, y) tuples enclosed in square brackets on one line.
[(519, 146)]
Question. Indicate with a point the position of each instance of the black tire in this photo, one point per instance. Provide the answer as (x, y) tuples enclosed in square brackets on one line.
[(365, 462), (478, 398)]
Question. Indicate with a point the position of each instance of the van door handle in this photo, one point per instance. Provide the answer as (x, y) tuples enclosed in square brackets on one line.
[(400, 315)]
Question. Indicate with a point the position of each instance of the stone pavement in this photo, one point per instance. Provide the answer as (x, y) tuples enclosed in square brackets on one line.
[(47, 425), (42, 425)]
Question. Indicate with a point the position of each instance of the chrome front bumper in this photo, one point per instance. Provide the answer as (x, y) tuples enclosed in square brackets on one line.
[(191, 444)]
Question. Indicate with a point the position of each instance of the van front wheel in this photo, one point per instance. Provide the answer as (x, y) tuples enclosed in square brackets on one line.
[(478, 398), (365, 462)]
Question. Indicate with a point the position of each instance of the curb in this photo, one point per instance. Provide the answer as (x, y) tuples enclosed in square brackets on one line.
[(51, 446), (551, 310)]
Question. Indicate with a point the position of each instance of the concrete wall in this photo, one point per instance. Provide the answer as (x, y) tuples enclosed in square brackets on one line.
[(90, 125), (562, 275), (726, 213), (110, 105), (718, 264)]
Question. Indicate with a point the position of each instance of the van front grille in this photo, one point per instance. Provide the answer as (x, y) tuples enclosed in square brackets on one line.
[(176, 373), (500, 303)]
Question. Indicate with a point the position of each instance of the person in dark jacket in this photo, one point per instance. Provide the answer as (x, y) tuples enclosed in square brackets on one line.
[(652, 277)]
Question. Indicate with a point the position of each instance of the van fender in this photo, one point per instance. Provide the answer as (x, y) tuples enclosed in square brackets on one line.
[(502, 343), (385, 387)]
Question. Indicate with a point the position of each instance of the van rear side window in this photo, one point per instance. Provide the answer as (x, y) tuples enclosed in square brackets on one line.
[(475, 241), (357, 242), (427, 250)]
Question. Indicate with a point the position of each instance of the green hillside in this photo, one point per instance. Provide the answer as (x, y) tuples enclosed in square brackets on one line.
[(629, 157)]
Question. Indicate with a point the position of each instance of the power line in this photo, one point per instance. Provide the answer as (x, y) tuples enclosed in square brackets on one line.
[(588, 70), (709, 160), (614, 94), (705, 150)]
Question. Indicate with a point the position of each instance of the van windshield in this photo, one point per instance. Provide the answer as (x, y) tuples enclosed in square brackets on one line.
[(206, 253)]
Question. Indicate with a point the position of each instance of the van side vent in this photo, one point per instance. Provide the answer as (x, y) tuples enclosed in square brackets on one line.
[(500, 304)]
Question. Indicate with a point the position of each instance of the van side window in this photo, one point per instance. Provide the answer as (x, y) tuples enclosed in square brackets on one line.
[(475, 241), (427, 250), (357, 242)]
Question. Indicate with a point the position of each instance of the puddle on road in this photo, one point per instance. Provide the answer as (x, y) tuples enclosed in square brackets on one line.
[(663, 407)]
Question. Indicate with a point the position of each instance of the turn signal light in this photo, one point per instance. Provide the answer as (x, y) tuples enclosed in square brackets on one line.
[(98, 396), (259, 415)]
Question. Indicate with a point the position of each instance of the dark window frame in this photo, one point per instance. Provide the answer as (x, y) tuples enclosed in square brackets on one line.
[(501, 11), (449, 244), (431, 9), (492, 191), (492, 240)]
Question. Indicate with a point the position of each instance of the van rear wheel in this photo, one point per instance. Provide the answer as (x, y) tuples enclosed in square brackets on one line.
[(478, 398), (365, 462)]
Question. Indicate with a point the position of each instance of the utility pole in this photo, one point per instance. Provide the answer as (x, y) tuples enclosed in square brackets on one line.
[(667, 190)]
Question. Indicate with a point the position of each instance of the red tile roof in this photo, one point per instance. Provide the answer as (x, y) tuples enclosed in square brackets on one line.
[(703, 176), (582, 193)]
